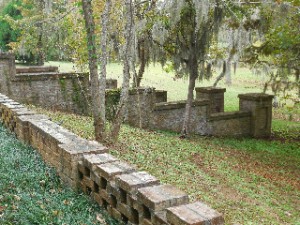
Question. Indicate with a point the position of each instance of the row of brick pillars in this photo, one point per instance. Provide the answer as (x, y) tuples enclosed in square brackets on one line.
[(259, 104)]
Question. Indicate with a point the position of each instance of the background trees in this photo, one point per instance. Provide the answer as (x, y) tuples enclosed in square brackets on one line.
[(7, 34), (187, 36)]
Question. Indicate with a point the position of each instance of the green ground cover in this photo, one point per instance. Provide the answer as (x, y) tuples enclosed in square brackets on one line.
[(31, 192)]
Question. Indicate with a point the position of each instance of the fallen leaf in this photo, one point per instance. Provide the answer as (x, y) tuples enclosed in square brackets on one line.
[(55, 212), (2, 208), (66, 202), (100, 219), (17, 198)]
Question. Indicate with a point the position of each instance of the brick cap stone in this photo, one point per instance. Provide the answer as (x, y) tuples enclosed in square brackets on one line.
[(79, 146), (96, 159), (210, 89), (110, 170), (228, 115), (130, 182), (194, 214), (7, 55), (37, 69), (178, 105), (160, 197), (256, 96)]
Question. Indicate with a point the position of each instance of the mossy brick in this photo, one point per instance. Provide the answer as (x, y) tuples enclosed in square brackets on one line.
[(160, 218), (90, 160), (110, 170), (131, 182), (160, 197), (68, 168), (145, 222), (194, 214), (130, 213), (69, 181), (114, 213)]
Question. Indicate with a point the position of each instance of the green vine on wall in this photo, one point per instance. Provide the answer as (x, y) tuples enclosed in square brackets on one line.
[(63, 87)]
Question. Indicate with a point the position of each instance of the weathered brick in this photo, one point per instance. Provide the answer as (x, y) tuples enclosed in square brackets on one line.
[(160, 218), (96, 159), (194, 214), (160, 197), (110, 170), (131, 182)]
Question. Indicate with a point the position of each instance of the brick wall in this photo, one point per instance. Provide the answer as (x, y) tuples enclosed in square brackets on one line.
[(147, 108), (170, 116), (46, 87), (130, 196)]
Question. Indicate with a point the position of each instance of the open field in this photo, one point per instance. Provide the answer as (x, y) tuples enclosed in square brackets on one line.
[(249, 181), (31, 192)]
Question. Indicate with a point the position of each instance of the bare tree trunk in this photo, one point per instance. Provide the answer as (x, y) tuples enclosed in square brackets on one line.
[(193, 74), (298, 80), (128, 58), (99, 123), (137, 79), (40, 55), (222, 74), (228, 72), (103, 63), (188, 108)]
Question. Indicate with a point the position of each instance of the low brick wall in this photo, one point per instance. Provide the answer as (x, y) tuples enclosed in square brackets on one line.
[(229, 124), (170, 116), (128, 195), (45, 86), (147, 107)]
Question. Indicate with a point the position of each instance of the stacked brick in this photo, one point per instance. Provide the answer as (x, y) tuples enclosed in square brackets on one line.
[(137, 197), (128, 195)]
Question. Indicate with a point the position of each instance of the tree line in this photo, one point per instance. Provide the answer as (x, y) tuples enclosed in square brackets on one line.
[(190, 37)]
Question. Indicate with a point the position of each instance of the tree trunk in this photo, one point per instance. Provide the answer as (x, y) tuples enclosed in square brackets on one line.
[(222, 74), (298, 80), (193, 74), (99, 123), (128, 59), (103, 63), (228, 72), (40, 54), (137, 79)]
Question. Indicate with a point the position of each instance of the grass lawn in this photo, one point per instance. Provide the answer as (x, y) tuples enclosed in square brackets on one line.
[(250, 181), (31, 192)]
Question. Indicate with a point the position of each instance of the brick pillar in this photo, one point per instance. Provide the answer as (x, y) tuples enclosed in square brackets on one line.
[(7, 73), (215, 96), (140, 106), (260, 105)]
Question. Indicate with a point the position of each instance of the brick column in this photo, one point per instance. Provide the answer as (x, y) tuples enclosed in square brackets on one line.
[(140, 106), (215, 96), (7, 72), (260, 105)]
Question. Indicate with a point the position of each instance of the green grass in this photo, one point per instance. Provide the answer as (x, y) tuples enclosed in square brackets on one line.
[(250, 181), (156, 77), (31, 192)]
